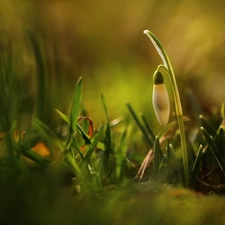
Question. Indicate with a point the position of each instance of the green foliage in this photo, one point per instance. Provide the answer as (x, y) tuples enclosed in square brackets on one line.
[(100, 167)]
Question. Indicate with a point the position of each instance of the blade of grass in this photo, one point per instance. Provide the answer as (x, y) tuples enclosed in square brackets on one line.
[(41, 77), (76, 105), (74, 114), (121, 155), (9, 143), (78, 127), (207, 126), (168, 157), (108, 129), (221, 133), (70, 161), (214, 150), (83, 134), (144, 132), (156, 159), (104, 155), (148, 128), (177, 164), (220, 141), (30, 154), (195, 167), (94, 143), (63, 116)]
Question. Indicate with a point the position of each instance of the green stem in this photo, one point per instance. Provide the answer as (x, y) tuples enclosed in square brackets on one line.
[(167, 65)]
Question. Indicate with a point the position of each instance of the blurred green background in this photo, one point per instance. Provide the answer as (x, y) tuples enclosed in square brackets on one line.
[(103, 41)]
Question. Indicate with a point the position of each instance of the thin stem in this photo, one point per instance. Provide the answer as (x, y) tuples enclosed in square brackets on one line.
[(160, 49)]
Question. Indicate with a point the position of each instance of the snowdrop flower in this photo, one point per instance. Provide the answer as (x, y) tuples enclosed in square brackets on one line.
[(160, 99)]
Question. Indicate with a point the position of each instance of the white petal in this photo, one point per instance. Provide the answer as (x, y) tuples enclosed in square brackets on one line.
[(161, 103)]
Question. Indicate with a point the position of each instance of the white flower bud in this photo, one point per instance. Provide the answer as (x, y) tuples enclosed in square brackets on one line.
[(160, 99)]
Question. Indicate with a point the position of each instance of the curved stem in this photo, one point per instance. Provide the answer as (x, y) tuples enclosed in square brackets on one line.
[(167, 65)]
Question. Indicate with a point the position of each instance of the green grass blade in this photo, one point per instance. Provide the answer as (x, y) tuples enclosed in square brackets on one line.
[(108, 129), (105, 107), (214, 150), (168, 154), (156, 159), (148, 128), (94, 144), (78, 127), (83, 134), (144, 132), (63, 116), (70, 161), (30, 154), (74, 114), (41, 77), (121, 155), (207, 126), (76, 105), (104, 155), (177, 164), (196, 167), (220, 141), (168, 157), (9, 146)]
